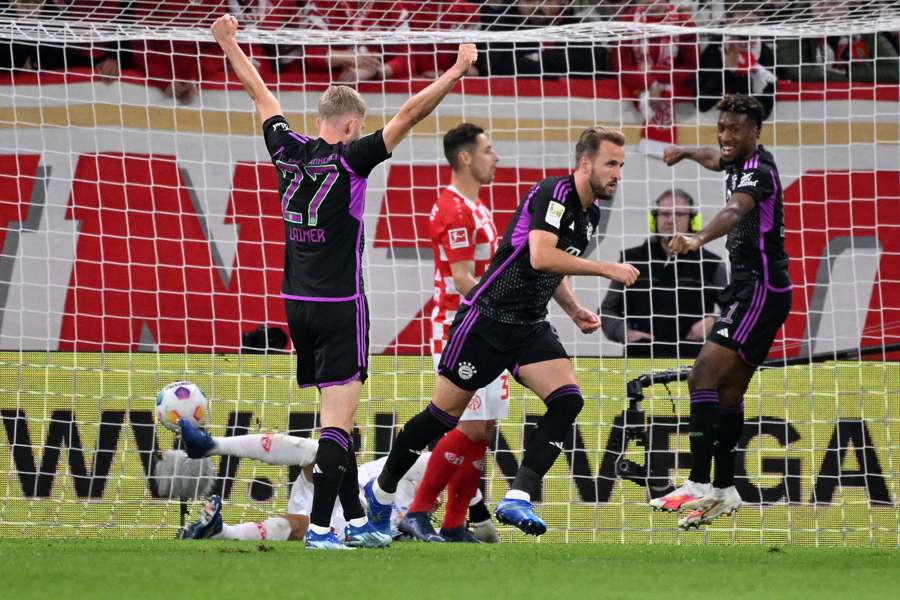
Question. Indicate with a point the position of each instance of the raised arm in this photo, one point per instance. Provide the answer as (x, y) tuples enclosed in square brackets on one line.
[(420, 106), (224, 29), (708, 157)]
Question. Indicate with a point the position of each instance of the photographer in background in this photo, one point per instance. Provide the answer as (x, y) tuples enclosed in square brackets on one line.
[(668, 311)]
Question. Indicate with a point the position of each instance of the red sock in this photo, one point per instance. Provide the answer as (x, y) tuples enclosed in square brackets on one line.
[(462, 487), (445, 460)]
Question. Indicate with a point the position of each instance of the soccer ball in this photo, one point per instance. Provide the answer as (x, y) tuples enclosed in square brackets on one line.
[(181, 400)]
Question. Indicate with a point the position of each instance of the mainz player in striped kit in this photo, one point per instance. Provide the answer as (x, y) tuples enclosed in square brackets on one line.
[(463, 239)]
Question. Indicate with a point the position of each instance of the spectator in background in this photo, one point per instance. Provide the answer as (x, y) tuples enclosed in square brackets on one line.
[(429, 61), (865, 58), (669, 310), (364, 63), (177, 67), (737, 65), (104, 59), (656, 72), (600, 10), (536, 58)]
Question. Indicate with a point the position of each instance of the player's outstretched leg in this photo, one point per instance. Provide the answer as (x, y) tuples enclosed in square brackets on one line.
[(271, 448), (208, 524), (415, 435), (197, 443), (418, 526), (544, 446)]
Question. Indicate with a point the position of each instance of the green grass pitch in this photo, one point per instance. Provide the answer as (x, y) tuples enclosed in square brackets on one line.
[(59, 569)]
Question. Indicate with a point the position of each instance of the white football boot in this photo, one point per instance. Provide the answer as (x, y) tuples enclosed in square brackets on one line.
[(720, 501), (675, 500)]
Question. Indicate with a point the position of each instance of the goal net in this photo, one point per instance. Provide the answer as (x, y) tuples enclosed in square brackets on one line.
[(142, 243)]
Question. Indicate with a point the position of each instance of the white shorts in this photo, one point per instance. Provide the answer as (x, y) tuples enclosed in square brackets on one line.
[(490, 403), (301, 499)]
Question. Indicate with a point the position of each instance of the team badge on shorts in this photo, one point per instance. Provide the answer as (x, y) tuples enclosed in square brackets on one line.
[(466, 371)]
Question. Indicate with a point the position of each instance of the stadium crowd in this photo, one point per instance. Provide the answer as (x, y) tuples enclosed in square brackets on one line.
[(654, 72)]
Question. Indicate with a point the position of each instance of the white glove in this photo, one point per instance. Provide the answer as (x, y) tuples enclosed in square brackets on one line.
[(486, 532)]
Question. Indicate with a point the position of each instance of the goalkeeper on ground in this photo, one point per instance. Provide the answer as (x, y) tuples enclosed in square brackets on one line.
[(281, 449)]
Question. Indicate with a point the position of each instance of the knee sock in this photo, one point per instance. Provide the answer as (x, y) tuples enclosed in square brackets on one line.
[(348, 493), (415, 435), (463, 485), (546, 441), (328, 474), (478, 511), (445, 460), (704, 427), (276, 529), (731, 426), (272, 448)]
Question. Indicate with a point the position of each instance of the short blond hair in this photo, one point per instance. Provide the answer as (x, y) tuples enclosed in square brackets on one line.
[(590, 139), (340, 100)]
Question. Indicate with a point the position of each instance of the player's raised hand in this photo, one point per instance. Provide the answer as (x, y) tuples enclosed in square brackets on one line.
[(673, 155), (682, 244), (623, 273), (587, 321), (224, 28), (467, 56)]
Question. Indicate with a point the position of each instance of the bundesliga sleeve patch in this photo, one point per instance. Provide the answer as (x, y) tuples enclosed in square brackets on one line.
[(555, 212), (459, 238)]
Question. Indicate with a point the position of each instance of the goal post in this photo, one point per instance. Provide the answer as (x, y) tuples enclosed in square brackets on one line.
[(142, 243)]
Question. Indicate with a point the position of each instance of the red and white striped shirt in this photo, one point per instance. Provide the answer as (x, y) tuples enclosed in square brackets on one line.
[(461, 230)]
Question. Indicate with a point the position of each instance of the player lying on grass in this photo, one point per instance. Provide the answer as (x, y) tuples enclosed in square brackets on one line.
[(755, 305), (288, 450), (322, 182), (502, 325)]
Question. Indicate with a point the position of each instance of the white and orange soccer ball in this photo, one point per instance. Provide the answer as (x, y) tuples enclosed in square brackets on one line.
[(181, 400)]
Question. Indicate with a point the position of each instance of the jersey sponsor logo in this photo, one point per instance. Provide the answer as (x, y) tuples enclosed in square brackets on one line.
[(554, 214), (466, 371), (453, 459), (747, 180), (280, 126), (723, 332), (459, 238)]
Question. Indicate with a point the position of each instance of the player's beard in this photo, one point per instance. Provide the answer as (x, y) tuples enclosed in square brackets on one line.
[(600, 190)]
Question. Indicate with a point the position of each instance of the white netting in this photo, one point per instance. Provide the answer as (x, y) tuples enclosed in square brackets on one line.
[(141, 239)]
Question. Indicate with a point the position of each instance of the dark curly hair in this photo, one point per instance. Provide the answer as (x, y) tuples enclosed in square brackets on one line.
[(462, 137), (743, 105)]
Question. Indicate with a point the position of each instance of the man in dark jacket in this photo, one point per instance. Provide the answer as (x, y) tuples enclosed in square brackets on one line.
[(668, 311)]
